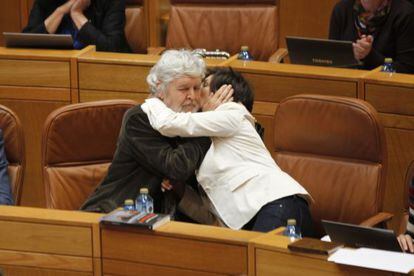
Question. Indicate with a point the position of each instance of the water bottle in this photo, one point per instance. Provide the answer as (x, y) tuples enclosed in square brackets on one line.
[(129, 205), (144, 202), (292, 231), (388, 66), (245, 54)]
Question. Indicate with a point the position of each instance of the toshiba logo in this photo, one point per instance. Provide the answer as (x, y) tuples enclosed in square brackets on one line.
[(322, 61)]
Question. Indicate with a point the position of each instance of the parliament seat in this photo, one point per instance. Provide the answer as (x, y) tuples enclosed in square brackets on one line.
[(78, 143), (224, 25), (335, 147), (136, 26), (15, 151)]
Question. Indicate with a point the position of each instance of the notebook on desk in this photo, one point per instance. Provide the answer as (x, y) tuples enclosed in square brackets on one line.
[(28, 40), (360, 236), (321, 52)]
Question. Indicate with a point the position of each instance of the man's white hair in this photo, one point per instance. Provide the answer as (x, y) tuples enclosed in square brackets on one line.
[(174, 64)]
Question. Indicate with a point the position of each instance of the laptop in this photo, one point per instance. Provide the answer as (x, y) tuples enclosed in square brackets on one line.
[(29, 40), (321, 52), (360, 236)]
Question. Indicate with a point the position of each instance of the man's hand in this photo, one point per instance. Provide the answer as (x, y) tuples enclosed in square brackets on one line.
[(406, 243), (362, 47), (223, 95), (177, 188), (65, 8)]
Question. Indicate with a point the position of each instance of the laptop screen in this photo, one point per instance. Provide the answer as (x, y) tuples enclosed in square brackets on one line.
[(360, 236), (321, 52)]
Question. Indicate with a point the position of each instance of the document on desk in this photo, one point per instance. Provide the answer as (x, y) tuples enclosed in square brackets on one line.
[(374, 258)]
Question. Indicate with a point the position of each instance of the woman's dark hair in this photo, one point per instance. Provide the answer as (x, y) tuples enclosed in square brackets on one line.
[(242, 91)]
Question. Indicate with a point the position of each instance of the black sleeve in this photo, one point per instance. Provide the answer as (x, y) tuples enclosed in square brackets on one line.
[(335, 23), (404, 59), (37, 18), (111, 36), (175, 162), (5, 190)]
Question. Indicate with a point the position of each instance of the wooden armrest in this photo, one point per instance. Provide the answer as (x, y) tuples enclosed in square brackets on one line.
[(377, 219), (279, 55), (155, 50)]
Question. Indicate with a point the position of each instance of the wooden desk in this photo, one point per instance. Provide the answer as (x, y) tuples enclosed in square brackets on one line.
[(33, 83), (393, 97), (272, 257), (105, 76), (49, 242), (176, 249), (274, 82)]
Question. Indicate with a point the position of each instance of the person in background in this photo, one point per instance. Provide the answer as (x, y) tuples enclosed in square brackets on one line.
[(379, 29), (6, 197), (245, 187), (406, 239), (144, 157), (89, 22)]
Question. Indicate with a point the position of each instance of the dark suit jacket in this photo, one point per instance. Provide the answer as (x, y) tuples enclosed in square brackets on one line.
[(5, 190), (142, 159), (105, 27), (395, 39)]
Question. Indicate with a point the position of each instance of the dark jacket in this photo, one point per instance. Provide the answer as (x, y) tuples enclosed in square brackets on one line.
[(143, 158), (395, 39), (105, 27), (6, 197)]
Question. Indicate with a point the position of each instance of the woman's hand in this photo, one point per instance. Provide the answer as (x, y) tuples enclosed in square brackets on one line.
[(362, 47), (406, 243), (223, 95), (65, 8), (76, 12), (80, 5)]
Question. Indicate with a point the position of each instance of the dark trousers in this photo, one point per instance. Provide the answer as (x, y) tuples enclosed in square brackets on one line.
[(276, 213)]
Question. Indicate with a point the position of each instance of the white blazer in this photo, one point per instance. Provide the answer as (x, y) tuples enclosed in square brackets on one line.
[(238, 173)]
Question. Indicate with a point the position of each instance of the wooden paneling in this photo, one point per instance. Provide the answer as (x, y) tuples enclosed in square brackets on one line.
[(112, 267), (118, 77), (390, 99), (304, 18), (177, 248), (97, 95), (176, 252), (9, 17), (43, 238), (28, 271), (273, 88), (34, 73), (48, 261), (49, 242)]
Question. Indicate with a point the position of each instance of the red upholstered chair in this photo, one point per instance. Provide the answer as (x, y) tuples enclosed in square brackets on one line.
[(136, 26), (14, 146), (335, 147), (224, 25), (78, 143)]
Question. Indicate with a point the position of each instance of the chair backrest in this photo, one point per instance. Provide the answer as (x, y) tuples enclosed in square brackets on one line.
[(136, 26), (224, 25), (14, 146), (335, 147), (78, 144)]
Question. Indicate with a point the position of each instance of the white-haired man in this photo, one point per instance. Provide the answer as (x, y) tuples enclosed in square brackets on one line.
[(144, 157)]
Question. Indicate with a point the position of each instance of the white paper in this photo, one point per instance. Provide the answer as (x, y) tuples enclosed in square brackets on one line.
[(374, 258)]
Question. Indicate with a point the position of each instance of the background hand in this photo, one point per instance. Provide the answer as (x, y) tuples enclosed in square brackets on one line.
[(362, 47), (80, 5), (223, 95), (65, 8), (406, 243)]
